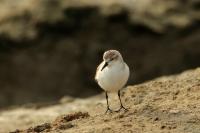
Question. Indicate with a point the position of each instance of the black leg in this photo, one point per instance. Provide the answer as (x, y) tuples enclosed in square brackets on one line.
[(108, 108), (122, 107)]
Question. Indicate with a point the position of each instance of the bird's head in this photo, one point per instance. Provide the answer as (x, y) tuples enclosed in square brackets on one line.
[(110, 57)]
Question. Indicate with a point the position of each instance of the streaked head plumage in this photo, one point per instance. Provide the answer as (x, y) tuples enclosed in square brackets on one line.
[(111, 55)]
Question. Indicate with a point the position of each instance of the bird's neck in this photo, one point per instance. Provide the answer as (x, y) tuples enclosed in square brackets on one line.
[(119, 64)]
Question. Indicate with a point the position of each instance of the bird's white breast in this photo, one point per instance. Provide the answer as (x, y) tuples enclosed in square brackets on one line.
[(113, 77)]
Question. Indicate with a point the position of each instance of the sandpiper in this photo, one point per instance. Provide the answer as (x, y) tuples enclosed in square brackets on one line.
[(112, 74)]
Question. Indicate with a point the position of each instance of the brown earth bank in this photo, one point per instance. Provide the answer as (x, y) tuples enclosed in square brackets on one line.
[(51, 48), (169, 104)]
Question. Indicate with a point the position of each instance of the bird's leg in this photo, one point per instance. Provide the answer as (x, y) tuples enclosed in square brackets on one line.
[(122, 107), (108, 108)]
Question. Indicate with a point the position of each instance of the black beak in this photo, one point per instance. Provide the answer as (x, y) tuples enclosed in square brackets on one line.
[(106, 64)]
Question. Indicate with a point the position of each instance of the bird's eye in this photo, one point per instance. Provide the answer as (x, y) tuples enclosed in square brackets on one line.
[(111, 59)]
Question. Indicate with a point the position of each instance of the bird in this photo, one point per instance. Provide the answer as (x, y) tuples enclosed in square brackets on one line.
[(112, 74)]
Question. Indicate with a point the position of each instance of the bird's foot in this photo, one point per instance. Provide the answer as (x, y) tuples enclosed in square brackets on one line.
[(122, 107), (108, 110)]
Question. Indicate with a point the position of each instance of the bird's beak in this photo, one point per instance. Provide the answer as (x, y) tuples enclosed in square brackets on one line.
[(106, 64)]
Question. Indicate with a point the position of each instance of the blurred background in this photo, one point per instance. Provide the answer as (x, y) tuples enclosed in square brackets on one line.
[(50, 48)]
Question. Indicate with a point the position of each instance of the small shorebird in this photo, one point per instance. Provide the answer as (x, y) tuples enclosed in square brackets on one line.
[(112, 74)]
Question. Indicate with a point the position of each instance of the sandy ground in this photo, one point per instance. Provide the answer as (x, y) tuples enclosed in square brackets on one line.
[(163, 105)]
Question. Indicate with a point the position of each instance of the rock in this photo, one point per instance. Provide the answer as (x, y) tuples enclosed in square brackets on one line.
[(165, 114)]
